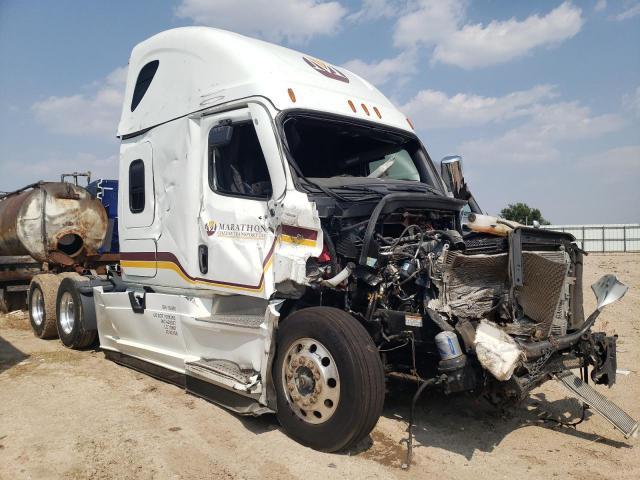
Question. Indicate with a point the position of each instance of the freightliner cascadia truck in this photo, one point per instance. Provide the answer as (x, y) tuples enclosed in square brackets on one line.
[(287, 246)]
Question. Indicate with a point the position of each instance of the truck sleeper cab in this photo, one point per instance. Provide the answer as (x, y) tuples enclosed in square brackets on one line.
[(287, 243)]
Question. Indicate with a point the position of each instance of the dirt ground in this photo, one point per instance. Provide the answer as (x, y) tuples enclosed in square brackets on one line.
[(69, 414)]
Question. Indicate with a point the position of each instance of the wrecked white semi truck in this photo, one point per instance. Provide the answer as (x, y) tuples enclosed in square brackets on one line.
[(287, 243)]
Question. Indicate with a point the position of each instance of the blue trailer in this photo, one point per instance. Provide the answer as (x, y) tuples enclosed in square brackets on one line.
[(107, 192)]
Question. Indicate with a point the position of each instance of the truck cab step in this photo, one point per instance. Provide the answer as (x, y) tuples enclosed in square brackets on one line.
[(223, 372)]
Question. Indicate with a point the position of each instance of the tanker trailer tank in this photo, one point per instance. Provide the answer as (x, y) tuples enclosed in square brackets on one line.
[(53, 222)]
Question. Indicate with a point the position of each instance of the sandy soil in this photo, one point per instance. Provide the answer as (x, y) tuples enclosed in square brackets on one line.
[(68, 414)]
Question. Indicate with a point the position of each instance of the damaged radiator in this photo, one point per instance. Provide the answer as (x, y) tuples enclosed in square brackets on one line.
[(475, 286), (544, 297)]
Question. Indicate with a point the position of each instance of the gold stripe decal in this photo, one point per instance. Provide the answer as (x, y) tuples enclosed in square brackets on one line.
[(168, 261), (297, 240)]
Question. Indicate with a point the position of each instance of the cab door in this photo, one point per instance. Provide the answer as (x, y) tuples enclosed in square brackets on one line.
[(237, 229), (242, 175), (137, 211)]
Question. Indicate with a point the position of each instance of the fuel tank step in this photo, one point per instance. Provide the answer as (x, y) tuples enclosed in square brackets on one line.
[(598, 402)]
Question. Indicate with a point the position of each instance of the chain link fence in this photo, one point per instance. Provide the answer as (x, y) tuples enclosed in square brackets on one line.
[(604, 238)]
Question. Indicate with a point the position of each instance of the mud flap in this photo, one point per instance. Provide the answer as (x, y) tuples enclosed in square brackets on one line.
[(599, 403)]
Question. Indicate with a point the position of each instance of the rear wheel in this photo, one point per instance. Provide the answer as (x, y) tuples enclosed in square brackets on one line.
[(42, 305), (71, 316), (329, 379)]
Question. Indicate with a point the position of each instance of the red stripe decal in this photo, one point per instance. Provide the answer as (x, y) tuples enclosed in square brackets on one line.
[(170, 257), (305, 233)]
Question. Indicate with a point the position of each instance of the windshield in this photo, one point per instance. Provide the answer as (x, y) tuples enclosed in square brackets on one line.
[(333, 152)]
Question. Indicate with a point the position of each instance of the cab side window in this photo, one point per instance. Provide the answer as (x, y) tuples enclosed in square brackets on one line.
[(239, 167), (136, 186)]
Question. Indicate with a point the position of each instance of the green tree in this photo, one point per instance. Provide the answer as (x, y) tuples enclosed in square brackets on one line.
[(523, 213)]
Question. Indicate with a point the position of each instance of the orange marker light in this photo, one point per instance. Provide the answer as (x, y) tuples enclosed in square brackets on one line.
[(375, 109), (353, 107), (366, 110), (292, 95), (410, 124)]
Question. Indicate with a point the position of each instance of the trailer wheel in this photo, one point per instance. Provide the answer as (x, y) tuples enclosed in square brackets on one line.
[(329, 379), (42, 305), (71, 316)]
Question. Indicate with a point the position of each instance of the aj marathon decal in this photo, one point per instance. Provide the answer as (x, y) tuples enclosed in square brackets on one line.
[(238, 231)]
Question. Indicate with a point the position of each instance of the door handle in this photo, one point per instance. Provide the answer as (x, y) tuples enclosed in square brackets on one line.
[(203, 258), (138, 304)]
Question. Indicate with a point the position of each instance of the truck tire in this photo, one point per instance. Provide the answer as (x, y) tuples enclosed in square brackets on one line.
[(42, 305), (71, 316), (329, 379)]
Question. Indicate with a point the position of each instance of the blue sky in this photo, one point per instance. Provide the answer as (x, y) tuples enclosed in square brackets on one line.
[(541, 98)]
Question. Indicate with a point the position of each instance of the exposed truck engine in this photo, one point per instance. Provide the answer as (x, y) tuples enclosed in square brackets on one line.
[(416, 274)]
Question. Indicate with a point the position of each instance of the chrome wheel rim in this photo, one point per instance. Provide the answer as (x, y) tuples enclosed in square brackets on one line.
[(37, 306), (67, 313), (311, 381)]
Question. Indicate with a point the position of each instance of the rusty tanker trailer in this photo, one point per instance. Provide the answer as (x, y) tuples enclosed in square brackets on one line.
[(48, 226)]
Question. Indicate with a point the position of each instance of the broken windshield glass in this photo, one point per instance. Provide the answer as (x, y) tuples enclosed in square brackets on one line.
[(325, 149)]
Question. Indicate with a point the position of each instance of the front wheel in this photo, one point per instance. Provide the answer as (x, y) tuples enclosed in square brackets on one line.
[(329, 379)]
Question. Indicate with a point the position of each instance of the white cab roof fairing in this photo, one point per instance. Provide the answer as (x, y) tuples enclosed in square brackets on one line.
[(201, 67)]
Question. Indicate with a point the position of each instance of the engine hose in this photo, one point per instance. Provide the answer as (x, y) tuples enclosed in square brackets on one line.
[(533, 350), (326, 238), (340, 277)]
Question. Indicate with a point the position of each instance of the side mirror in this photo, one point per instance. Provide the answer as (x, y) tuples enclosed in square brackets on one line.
[(608, 290), (220, 135), (451, 171)]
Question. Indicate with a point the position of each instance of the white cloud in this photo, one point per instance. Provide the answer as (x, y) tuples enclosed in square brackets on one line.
[(429, 23), (295, 21), (434, 109), (398, 68), (441, 24), (535, 127), (95, 113), (498, 42), (600, 5), (630, 12), (539, 139)]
